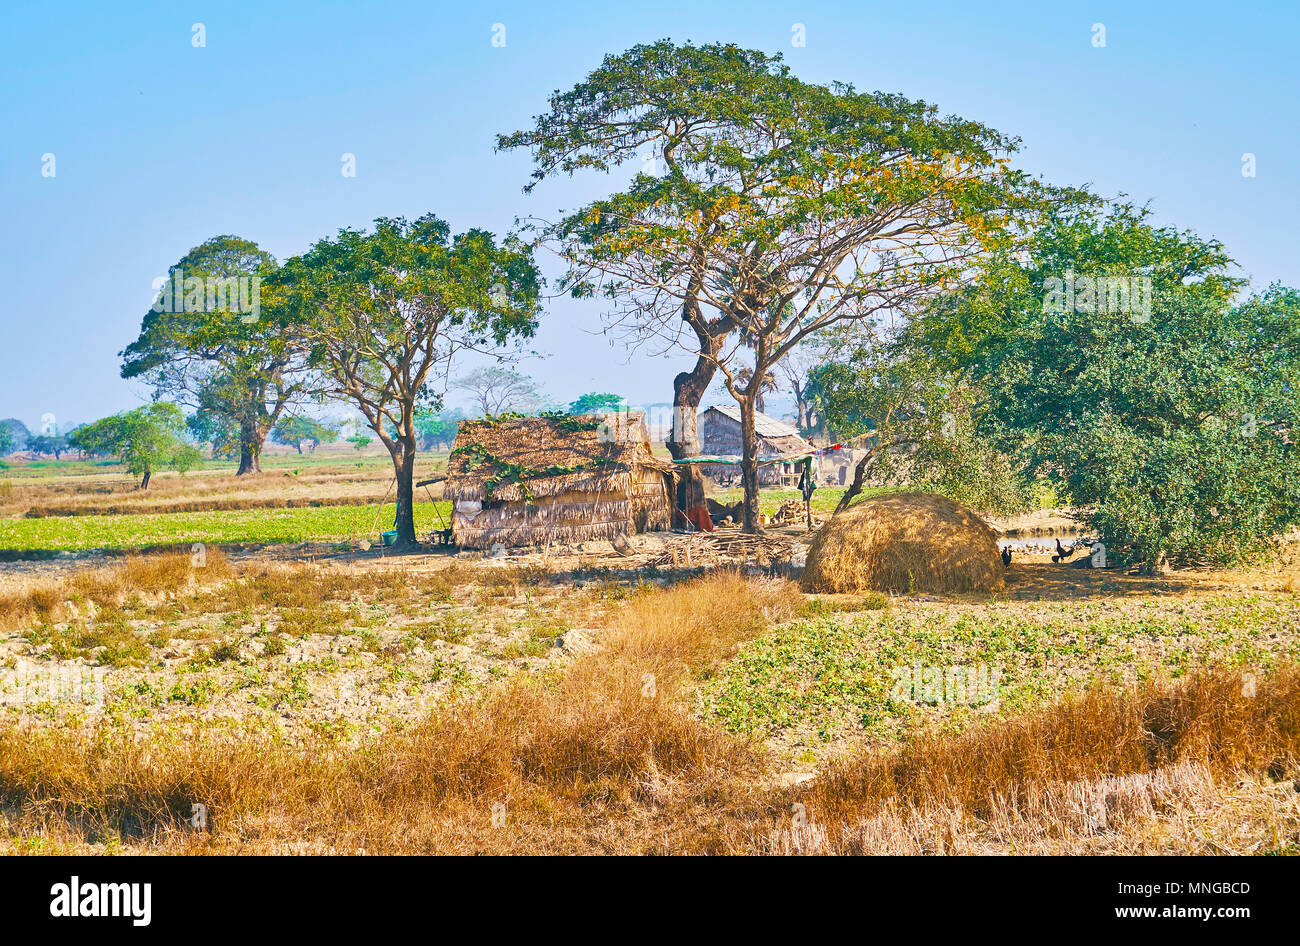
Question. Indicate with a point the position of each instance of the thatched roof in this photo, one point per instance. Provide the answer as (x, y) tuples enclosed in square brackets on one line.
[(514, 459)]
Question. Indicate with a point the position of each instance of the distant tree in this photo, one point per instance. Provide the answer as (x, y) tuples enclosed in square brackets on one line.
[(216, 338), (497, 390), (6, 440), (598, 403), (144, 440), (795, 368), (54, 445), (18, 433), (359, 442), (296, 431), (385, 313), (437, 429)]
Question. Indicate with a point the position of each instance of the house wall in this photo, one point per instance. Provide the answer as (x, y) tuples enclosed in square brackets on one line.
[(720, 436), (566, 518)]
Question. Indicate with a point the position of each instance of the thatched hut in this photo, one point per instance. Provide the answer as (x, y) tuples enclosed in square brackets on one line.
[(720, 437), (536, 480)]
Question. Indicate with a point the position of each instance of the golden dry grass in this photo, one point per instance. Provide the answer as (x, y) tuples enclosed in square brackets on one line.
[(111, 585), (608, 755), (901, 543)]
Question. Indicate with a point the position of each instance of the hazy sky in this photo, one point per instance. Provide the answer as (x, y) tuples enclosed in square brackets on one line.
[(159, 145)]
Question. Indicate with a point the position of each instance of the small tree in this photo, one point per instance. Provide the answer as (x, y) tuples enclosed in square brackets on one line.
[(915, 423), (384, 313), (296, 431), (144, 440), (594, 403)]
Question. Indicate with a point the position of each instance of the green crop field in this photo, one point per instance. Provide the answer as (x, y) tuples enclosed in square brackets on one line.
[(311, 524)]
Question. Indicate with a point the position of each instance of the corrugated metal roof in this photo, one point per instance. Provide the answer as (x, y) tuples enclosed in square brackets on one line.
[(764, 425)]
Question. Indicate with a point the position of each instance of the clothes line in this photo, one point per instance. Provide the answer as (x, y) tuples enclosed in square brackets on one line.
[(732, 460)]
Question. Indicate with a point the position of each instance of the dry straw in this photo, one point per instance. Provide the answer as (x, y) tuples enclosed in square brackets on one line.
[(902, 543)]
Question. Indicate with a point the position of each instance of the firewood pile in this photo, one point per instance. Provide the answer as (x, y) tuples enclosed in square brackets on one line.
[(791, 511), (711, 549)]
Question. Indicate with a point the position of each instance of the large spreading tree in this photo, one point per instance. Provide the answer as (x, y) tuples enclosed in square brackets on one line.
[(216, 340), (769, 210), (384, 313)]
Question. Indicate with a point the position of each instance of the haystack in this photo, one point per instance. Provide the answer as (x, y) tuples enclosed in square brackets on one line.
[(901, 543)]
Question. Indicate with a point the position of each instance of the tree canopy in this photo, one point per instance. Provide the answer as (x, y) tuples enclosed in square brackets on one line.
[(215, 338), (1167, 413), (384, 313), (772, 209)]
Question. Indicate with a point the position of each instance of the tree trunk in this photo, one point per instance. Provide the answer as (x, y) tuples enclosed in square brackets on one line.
[(250, 448), (144, 480), (688, 390), (404, 467), (749, 465), (859, 474)]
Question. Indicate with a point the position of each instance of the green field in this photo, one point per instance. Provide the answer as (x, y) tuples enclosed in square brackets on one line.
[(833, 674), (310, 524)]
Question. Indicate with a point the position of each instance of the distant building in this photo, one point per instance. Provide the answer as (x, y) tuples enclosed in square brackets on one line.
[(720, 437)]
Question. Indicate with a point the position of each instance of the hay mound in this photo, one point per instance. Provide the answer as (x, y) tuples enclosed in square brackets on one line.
[(901, 543)]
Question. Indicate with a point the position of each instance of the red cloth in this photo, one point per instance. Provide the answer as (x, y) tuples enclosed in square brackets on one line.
[(699, 517)]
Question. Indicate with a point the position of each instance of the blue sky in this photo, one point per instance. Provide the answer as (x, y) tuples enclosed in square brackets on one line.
[(159, 145)]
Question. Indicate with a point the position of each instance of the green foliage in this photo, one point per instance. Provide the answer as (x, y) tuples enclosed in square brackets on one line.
[(144, 440), (48, 445), (13, 435), (437, 428), (1172, 426), (226, 343), (924, 423), (593, 403), (476, 456)]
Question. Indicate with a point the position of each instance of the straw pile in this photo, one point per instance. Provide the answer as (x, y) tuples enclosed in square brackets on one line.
[(902, 543)]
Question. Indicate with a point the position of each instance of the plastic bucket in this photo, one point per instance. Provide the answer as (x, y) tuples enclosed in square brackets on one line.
[(389, 537)]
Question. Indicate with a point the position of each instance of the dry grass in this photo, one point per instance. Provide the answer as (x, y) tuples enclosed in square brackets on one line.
[(607, 754), (109, 587), (902, 543), (610, 730)]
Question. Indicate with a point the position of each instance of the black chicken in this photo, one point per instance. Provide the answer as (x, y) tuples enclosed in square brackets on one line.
[(1062, 553), (1006, 556)]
